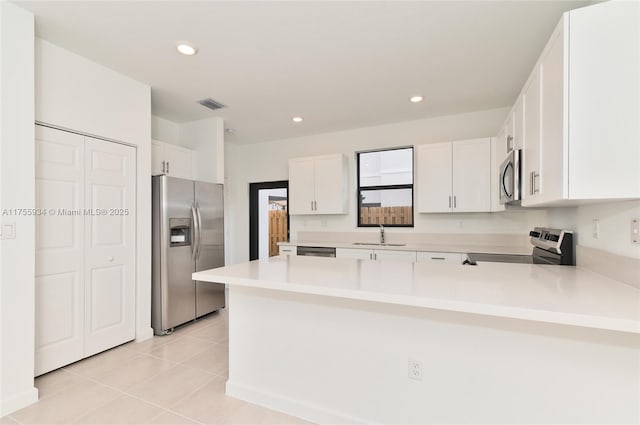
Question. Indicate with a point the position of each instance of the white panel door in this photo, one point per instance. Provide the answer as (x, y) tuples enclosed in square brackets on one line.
[(301, 186), (110, 245), (472, 175), (59, 280), (434, 177)]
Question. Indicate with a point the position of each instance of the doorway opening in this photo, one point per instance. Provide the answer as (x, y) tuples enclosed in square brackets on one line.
[(268, 218)]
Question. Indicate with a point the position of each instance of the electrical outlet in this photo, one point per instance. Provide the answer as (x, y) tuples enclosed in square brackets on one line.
[(414, 368), (635, 231), (595, 228)]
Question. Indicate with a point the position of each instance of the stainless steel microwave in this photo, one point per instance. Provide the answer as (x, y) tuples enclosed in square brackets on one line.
[(510, 177)]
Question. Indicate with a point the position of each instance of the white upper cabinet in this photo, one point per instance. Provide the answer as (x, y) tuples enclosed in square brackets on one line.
[(318, 185), (434, 177), (531, 183), (454, 176), (518, 125), (588, 129), (171, 160)]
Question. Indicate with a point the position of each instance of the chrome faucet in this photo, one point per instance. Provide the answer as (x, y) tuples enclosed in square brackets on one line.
[(381, 233)]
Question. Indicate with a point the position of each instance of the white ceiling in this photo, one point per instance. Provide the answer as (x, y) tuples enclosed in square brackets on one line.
[(340, 65)]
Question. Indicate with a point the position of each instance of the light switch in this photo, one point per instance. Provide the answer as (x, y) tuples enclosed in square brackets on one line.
[(635, 231), (595, 228), (8, 230)]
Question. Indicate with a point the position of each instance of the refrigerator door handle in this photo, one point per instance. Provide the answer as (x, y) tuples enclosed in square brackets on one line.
[(195, 243), (199, 230)]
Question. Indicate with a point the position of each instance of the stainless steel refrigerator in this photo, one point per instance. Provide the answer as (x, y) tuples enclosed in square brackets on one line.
[(188, 236)]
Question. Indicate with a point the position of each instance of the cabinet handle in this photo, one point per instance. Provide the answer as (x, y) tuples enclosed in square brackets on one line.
[(509, 144), (163, 167), (535, 176), (449, 201), (167, 167), (315, 205), (437, 258), (311, 205), (455, 203), (531, 183), (371, 256)]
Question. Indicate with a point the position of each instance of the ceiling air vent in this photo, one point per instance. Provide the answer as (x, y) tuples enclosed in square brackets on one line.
[(211, 104)]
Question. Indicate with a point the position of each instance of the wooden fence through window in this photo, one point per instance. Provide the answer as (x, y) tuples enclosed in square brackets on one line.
[(386, 215), (277, 230)]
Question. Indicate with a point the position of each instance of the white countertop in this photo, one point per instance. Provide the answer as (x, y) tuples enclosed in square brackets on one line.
[(554, 294), (429, 247)]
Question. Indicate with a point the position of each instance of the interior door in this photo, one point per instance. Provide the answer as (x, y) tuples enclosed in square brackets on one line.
[(110, 234), (59, 280), (209, 198)]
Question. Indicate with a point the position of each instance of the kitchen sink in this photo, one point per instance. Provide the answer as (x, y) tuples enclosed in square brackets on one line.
[(379, 244)]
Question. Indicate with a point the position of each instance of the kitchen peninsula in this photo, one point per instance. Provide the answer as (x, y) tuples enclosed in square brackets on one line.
[(348, 341)]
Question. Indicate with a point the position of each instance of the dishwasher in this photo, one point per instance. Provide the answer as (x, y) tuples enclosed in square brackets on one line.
[(316, 251)]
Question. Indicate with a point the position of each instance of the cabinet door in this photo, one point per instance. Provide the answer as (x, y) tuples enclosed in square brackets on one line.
[(551, 183), (301, 186), (330, 185), (508, 132), (386, 254), (472, 175), (434, 178), (178, 162), (286, 250), (498, 152), (439, 257), (110, 178), (158, 164), (59, 244), (518, 124), (360, 254), (531, 170)]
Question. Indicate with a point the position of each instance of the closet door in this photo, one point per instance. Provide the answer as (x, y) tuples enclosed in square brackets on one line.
[(110, 181), (59, 280)]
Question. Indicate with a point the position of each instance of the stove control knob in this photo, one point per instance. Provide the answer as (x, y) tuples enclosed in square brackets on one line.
[(534, 234), (553, 238)]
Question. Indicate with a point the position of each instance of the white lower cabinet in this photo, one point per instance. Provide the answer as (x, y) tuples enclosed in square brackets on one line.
[(439, 257), (85, 247), (375, 254), (287, 250)]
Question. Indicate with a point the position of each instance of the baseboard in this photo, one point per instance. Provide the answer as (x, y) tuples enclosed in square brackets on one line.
[(18, 401), (307, 411), (144, 334), (617, 267)]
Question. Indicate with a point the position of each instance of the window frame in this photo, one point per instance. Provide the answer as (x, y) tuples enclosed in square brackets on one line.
[(385, 187)]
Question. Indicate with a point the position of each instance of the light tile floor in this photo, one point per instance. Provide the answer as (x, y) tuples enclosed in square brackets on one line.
[(172, 379)]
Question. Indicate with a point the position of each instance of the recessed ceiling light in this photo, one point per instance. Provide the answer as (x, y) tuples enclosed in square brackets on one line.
[(415, 99), (296, 119), (186, 49)]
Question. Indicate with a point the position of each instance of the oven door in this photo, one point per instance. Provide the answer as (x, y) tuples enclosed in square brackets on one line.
[(509, 178)]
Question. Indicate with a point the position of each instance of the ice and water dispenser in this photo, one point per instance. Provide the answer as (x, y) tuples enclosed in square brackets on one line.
[(180, 231)]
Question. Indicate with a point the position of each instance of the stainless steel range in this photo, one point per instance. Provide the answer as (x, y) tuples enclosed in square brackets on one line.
[(550, 246)]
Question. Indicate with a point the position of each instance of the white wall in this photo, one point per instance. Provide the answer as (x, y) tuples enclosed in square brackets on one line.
[(75, 93), (165, 130), (17, 190), (615, 226), (206, 138), (263, 162)]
